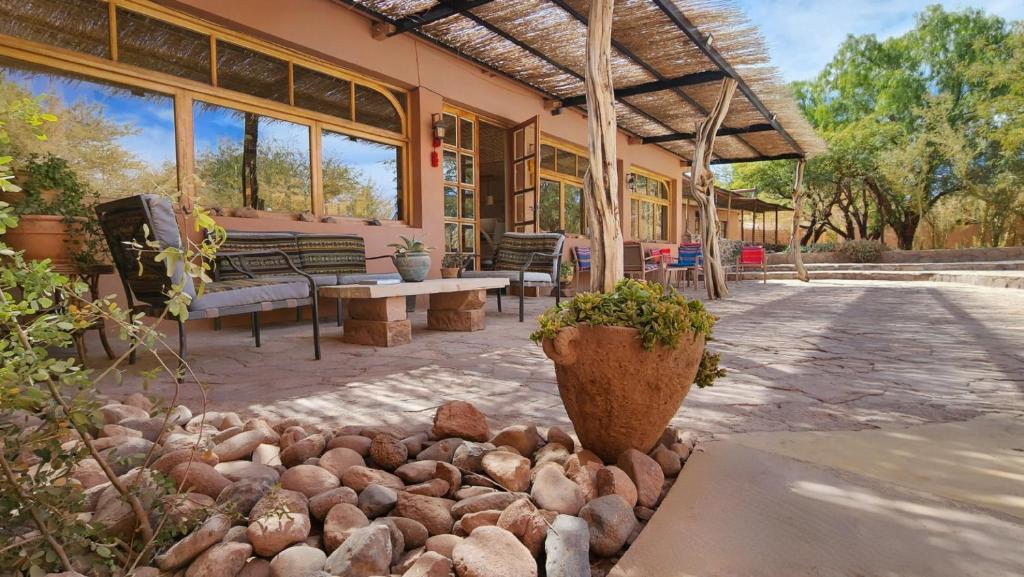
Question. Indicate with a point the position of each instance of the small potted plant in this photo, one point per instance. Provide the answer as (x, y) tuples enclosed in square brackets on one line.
[(55, 210), (625, 361), (566, 274), (451, 264), (412, 259)]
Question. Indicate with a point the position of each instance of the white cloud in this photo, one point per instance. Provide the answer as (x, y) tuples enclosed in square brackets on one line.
[(803, 35)]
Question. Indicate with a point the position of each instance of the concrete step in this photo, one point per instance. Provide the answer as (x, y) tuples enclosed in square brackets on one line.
[(988, 278), (1012, 265)]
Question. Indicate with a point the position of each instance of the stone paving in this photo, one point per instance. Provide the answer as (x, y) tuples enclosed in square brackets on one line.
[(833, 355)]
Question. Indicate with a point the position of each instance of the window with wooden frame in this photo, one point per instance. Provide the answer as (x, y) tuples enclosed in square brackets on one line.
[(460, 175), (561, 189), (312, 137), (649, 206)]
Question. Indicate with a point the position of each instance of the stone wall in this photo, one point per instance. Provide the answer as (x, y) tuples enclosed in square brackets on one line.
[(896, 256)]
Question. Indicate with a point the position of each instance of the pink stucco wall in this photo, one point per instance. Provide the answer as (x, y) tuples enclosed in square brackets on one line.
[(339, 34)]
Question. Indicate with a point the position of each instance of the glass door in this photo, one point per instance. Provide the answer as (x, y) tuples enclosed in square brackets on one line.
[(460, 174)]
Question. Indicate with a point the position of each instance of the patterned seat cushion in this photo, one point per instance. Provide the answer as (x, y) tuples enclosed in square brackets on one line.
[(581, 255), (245, 291), (514, 250), (337, 254), (260, 266)]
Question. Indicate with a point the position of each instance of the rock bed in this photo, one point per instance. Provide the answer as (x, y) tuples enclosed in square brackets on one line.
[(282, 500)]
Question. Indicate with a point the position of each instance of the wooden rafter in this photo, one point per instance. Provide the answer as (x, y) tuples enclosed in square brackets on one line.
[(440, 11), (722, 132), (701, 42), (656, 86)]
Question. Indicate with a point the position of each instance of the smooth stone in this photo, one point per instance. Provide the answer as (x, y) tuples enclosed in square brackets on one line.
[(200, 477), (187, 549), (240, 446), (413, 532), (554, 491), (611, 521), (266, 454), (366, 553), (495, 501), (523, 438), (310, 480), (377, 500), (430, 564), (241, 496), (272, 533), (433, 513), (339, 524), (388, 452), (359, 478), (416, 471), (493, 552), (567, 548), (442, 450), (298, 561), (322, 503), (460, 419), (357, 443), (339, 459), (509, 470), (557, 435), (219, 560), (645, 473)]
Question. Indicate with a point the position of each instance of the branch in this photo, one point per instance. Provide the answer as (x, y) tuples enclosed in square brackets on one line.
[(35, 515)]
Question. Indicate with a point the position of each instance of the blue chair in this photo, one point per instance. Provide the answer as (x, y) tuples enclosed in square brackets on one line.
[(581, 261), (690, 259)]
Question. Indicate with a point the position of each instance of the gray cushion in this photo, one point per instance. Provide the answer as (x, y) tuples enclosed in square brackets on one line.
[(509, 274), (240, 292), (354, 278), (319, 279), (164, 229)]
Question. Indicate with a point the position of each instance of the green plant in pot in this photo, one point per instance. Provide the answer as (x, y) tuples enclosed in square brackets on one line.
[(625, 360), (412, 259), (55, 209), (566, 274)]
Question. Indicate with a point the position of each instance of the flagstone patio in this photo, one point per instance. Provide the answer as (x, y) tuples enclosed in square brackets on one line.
[(833, 355)]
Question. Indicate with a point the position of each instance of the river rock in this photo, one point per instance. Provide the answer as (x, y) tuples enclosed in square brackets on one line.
[(430, 564), (523, 438), (469, 456), (340, 522), (219, 560), (241, 496), (414, 534), (359, 478), (240, 446), (433, 513), (322, 503), (566, 547), (184, 551), (442, 450), (416, 471), (493, 552), (388, 452), (339, 459), (366, 553), (357, 443), (510, 471), (298, 561), (377, 500), (612, 480), (271, 533), (645, 473), (496, 501), (200, 477), (610, 521), (460, 419), (298, 452), (557, 435), (554, 491), (668, 460), (310, 480)]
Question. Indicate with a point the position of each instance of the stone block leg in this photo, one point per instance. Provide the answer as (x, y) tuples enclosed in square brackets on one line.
[(457, 311), (377, 322)]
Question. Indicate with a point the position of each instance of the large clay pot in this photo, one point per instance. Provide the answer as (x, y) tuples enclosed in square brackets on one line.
[(618, 395), (43, 236), (413, 267)]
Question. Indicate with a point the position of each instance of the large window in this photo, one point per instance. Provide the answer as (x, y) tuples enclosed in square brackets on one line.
[(561, 190), (118, 140), (361, 178), (649, 203), (245, 153), (246, 159)]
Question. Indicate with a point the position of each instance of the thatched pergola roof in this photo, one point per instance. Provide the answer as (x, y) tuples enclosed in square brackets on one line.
[(668, 57)]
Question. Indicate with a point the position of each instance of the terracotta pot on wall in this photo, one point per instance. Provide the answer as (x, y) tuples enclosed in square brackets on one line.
[(450, 273), (43, 236), (618, 395)]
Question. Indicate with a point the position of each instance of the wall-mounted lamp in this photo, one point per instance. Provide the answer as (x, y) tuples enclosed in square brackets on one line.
[(437, 129)]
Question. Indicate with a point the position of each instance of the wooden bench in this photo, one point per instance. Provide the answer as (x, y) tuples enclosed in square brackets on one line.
[(376, 314)]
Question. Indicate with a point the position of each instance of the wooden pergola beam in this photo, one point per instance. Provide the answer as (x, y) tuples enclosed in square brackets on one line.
[(722, 132), (702, 43), (622, 49), (787, 156), (655, 86), (440, 11)]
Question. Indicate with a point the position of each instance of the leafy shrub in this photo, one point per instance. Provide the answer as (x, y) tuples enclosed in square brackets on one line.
[(819, 247), (661, 315), (862, 251)]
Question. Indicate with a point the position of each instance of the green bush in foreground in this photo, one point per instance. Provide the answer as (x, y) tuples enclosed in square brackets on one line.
[(662, 316)]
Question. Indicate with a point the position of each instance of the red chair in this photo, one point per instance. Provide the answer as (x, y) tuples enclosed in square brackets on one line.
[(752, 257)]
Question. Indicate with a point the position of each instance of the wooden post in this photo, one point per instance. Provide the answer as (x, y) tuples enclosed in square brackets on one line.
[(601, 180), (794, 241), (776, 226), (703, 190)]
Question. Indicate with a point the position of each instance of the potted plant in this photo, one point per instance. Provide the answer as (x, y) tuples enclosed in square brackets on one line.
[(624, 361), (566, 274), (412, 259), (451, 264), (55, 211)]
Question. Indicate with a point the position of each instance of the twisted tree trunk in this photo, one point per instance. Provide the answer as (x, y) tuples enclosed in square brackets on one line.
[(794, 242), (601, 180), (702, 184)]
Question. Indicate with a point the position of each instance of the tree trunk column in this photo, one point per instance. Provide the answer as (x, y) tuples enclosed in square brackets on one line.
[(794, 240), (601, 181), (702, 184)]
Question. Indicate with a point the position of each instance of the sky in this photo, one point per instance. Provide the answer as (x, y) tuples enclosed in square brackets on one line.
[(802, 35)]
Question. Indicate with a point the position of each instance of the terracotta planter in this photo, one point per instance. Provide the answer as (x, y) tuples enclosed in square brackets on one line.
[(449, 273), (618, 395), (43, 236)]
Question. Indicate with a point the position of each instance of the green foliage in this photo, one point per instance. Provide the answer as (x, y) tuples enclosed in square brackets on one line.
[(566, 272), (910, 120), (662, 317), (454, 260), (862, 251), (410, 246)]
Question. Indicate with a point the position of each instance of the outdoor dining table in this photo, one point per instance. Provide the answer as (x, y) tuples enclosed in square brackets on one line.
[(376, 314)]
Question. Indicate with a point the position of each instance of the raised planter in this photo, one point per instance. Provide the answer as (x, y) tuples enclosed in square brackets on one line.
[(618, 395), (43, 236)]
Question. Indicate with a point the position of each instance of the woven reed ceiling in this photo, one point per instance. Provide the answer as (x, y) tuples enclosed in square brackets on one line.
[(542, 44)]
